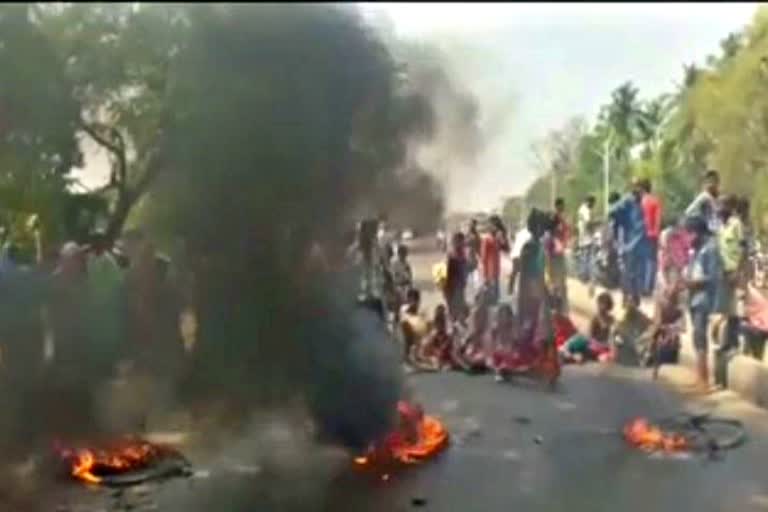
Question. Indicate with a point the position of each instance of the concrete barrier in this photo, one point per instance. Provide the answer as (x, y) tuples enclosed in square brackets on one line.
[(744, 375)]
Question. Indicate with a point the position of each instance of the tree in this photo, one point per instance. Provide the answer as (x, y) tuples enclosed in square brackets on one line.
[(38, 119), (117, 59), (555, 154)]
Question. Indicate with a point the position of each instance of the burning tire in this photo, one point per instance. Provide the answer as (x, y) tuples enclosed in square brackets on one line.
[(124, 463), (706, 432), (685, 433)]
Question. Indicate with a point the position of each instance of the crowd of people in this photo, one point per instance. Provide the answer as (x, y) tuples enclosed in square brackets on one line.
[(87, 305), (701, 261), (695, 266)]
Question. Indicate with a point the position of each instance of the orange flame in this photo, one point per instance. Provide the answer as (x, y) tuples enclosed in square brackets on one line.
[(650, 438), (91, 465), (417, 438)]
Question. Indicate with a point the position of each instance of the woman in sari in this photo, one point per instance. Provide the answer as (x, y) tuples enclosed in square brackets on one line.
[(536, 329), (472, 355)]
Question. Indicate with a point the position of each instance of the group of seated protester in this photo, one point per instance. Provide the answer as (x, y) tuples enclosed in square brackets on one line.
[(491, 339), (634, 340)]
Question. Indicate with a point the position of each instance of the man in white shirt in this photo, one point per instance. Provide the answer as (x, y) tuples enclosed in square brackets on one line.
[(586, 247)]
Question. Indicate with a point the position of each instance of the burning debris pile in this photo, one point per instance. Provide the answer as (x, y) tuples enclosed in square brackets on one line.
[(417, 437), (129, 461)]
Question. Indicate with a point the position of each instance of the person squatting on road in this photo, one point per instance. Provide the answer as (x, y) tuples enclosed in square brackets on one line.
[(631, 331), (668, 326)]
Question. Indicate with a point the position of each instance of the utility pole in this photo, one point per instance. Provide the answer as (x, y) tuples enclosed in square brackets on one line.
[(606, 171)]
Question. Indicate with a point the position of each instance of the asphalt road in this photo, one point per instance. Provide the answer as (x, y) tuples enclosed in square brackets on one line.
[(514, 446), (519, 447)]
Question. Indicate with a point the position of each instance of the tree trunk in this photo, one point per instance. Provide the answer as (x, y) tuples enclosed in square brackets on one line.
[(119, 216)]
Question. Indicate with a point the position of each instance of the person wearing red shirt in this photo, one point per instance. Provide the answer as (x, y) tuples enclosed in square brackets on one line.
[(492, 244), (652, 215)]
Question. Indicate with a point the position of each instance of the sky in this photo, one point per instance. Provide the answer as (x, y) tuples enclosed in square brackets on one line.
[(536, 65), (543, 63)]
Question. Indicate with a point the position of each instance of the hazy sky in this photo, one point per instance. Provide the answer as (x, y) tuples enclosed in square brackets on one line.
[(548, 62), (538, 64)]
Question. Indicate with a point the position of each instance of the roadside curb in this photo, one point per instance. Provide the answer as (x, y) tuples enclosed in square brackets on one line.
[(745, 376)]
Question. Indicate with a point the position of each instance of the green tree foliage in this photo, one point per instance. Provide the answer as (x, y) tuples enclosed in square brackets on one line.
[(718, 118), (38, 119)]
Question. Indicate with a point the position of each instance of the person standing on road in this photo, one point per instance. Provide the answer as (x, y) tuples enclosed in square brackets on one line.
[(701, 279), (367, 245), (473, 253), (627, 217), (492, 244), (456, 279), (521, 238), (586, 237), (558, 243), (532, 295), (652, 216), (730, 244)]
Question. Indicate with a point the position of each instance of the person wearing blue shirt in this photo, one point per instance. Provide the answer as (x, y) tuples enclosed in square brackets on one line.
[(701, 279), (626, 216)]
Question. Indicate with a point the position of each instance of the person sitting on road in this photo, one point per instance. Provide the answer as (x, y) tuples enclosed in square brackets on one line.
[(413, 325), (595, 346), (437, 352), (562, 323), (603, 323), (580, 349), (472, 354), (630, 330), (507, 354)]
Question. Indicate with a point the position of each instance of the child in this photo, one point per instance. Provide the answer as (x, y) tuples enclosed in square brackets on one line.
[(602, 325), (436, 352), (630, 331), (402, 279), (413, 325)]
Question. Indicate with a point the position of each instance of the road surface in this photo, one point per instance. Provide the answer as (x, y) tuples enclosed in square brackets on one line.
[(514, 447), (521, 448)]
